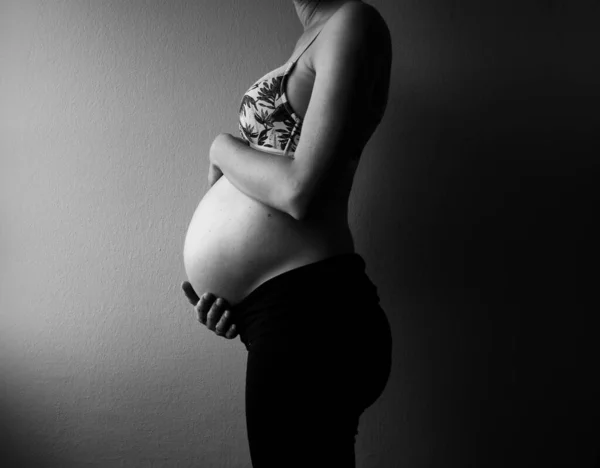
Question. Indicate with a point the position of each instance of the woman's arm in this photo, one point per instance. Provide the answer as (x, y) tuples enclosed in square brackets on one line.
[(333, 127), (349, 64), (266, 178)]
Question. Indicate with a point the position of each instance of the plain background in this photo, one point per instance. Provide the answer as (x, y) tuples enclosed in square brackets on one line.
[(472, 207)]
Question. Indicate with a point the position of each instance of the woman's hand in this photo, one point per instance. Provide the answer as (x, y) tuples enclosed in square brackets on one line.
[(214, 174), (212, 312), (223, 139), (222, 143)]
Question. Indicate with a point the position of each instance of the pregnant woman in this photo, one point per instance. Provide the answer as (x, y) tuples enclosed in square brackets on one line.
[(270, 244)]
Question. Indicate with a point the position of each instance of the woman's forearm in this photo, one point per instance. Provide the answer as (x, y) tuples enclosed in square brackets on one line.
[(262, 176)]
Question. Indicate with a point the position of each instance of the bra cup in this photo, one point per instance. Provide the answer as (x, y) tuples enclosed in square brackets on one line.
[(266, 118)]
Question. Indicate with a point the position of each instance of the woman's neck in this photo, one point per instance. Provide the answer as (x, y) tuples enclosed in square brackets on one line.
[(314, 12)]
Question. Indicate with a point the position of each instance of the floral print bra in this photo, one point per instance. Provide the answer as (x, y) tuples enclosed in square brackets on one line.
[(266, 119)]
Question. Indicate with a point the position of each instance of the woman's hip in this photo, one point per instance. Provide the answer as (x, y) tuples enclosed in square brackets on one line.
[(331, 301)]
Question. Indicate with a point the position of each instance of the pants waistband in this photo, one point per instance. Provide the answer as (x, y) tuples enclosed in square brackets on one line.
[(338, 283)]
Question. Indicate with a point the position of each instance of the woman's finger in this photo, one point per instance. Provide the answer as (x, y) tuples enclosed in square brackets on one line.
[(232, 332), (215, 313), (224, 323), (203, 307), (190, 293)]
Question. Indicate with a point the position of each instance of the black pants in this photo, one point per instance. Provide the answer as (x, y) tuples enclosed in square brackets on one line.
[(319, 353)]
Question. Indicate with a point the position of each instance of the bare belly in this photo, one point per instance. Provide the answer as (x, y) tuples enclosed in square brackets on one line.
[(235, 243)]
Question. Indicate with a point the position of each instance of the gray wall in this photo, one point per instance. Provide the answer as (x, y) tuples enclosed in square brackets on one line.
[(468, 207)]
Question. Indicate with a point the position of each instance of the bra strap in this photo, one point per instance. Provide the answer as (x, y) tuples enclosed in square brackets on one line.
[(307, 46)]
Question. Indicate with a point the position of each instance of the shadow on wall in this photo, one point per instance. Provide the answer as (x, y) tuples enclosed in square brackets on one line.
[(484, 209), (492, 226), (22, 446)]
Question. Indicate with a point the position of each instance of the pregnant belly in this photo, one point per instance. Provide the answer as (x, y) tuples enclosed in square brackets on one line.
[(234, 243)]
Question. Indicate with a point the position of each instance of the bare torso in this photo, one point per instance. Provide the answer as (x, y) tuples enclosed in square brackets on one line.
[(235, 243)]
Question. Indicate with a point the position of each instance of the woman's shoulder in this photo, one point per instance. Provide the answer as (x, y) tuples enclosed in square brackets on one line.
[(356, 39), (361, 24), (360, 17)]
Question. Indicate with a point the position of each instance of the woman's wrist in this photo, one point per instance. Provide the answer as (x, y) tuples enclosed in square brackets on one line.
[(222, 143)]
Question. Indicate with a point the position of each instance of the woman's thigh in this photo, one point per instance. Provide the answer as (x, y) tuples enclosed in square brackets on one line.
[(305, 391)]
